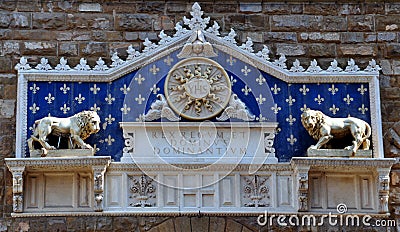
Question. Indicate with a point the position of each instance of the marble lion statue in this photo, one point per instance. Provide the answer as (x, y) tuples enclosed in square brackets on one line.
[(77, 127), (324, 128)]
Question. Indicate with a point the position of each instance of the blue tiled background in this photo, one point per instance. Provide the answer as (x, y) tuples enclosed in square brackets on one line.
[(109, 99)]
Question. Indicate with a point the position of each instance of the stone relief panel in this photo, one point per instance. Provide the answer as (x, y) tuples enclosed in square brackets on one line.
[(142, 191), (256, 191)]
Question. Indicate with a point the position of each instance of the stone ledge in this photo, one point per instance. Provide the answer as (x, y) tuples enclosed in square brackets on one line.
[(58, 162), (63, 153), (338, 153)]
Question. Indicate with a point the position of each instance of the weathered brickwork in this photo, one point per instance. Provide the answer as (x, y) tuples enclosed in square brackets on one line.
[(302, 30)]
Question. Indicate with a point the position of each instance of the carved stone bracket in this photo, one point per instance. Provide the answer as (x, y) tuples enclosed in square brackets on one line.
[(18, 182), (301, 176), (383, 188), (98, 177)]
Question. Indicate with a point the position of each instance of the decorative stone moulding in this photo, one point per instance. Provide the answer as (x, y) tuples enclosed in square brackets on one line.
[(244, 178)]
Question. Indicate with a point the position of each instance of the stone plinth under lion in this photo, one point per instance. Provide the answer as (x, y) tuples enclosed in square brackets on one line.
[(74, 129), (324, 129)]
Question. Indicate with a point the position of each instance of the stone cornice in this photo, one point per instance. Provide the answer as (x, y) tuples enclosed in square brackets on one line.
[(342, 162), (58, 163)]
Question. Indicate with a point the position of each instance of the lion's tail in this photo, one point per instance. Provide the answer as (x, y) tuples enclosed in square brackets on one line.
[(368, 131)]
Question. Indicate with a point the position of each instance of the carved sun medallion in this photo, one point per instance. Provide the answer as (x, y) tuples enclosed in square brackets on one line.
[(197, 88)]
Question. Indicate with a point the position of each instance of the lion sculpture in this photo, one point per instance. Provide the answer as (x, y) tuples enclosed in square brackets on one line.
[(324, 128), (77, 127)]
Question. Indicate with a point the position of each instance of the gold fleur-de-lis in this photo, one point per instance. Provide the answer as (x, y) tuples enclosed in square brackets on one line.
[(231, 60), (168, 60), (95, 108), (125, 89), (260, 80), (245, 70), (304, 108), (109, 119), (109, 140), (65, 89), (154, 69), (348, 99), (261, 118), (65, 109), (233, 80), (246, 90), (154, 89), (79, 98), (95, 89), (260, 99), (276, 108), (290, 100), (275, 89), (304, 90), (334, 109), (319, 99), (34, 108), (363, 109), (49, 98), (333, 89), (125, 109), (139, 79), (291, 139), (140, 99), (362, 89), (109, 99), (290, 120), (34, 88)]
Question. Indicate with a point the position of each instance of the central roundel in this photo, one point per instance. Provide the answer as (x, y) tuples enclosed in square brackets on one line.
[(197, 88)]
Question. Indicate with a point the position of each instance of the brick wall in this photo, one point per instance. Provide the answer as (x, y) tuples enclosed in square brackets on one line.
[(299, 29)]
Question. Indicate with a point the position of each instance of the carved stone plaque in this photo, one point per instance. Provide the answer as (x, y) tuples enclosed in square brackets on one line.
[(197, 88)]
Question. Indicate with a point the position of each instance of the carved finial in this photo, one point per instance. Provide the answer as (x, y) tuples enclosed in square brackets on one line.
[(180, 30), (334, 67), (231, 37), (132, 53), (214, 29), (44, 65), (351, 66), (63, 66), (23, 64), (149, 46), (248, 45), (100, 65), (82, 66), (314, 68), (297, 67), (264, 53), (164, 38), (116, 61), (281, 62), (197, 22), (373, 67)]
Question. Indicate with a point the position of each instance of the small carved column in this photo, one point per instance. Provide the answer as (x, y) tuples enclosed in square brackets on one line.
[(383, 187), (18, 188), (301, 174), (98, 176)]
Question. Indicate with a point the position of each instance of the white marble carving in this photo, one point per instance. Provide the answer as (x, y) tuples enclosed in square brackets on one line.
[(160, 109), (77, 128), (142, 191), (324, 128), (256, 191), (236, 109)]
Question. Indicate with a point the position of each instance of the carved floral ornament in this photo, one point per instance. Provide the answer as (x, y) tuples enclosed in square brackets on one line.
[(200, 29)]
